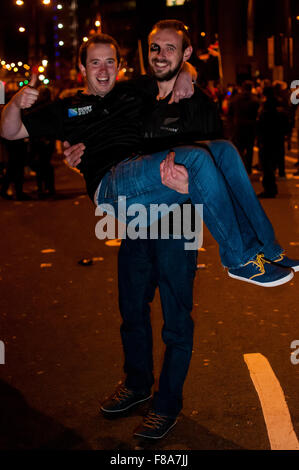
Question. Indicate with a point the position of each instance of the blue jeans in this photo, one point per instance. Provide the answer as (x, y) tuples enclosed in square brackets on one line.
[(231, 210), (142, 266)]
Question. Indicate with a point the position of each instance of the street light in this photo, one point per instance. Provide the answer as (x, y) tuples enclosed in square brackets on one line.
[(19, 2), (22, 29)]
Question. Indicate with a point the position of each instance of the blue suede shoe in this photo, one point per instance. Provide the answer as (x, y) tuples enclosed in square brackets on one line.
[(262, 272), (286, 262)]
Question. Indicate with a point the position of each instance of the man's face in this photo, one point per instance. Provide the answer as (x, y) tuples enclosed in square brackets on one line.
[(165, 53), (101, 68)]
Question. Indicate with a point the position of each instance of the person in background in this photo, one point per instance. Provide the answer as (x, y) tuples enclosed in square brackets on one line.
[(42, 150), (242, 114), (273, 126)]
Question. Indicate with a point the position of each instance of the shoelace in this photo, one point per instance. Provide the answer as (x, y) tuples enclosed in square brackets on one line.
[(281, 257), (121, 393), (259, 261), (153, 420)]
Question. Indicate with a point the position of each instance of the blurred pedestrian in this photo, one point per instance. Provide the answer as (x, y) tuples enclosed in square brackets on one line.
[(41, 150), (273, 126), (282, 95), (14, 172), (242, 114)]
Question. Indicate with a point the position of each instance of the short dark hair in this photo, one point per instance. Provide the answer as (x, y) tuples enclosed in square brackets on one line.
[(177, 26), (99, 38)]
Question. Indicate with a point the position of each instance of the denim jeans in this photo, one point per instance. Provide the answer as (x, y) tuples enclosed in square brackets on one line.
[(142, 266), (231, 209)]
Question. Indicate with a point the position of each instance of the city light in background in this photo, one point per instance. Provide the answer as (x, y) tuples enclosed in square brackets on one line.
[(52, 30)]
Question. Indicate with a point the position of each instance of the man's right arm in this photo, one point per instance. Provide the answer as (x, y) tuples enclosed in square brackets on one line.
[(11, 126)]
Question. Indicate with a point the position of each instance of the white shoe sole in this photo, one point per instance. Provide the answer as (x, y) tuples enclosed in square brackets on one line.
[(278, 282)]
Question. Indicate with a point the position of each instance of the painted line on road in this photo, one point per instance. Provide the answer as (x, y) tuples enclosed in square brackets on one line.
[(275, 410)]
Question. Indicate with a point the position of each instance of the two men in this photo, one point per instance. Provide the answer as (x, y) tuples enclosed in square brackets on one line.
[(107, 120)]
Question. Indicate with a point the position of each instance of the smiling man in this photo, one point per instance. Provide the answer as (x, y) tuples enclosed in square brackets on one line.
[(168, 50), (100, 67)]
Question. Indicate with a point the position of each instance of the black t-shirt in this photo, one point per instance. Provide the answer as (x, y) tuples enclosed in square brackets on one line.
[(191, 120), (110, 127)]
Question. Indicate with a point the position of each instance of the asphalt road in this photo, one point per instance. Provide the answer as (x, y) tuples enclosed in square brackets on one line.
[(60, 328)]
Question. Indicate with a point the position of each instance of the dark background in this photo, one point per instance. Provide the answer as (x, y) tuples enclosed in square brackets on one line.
[(131, 20)]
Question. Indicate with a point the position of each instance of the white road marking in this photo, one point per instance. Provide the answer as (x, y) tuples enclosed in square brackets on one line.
[(275, 410)]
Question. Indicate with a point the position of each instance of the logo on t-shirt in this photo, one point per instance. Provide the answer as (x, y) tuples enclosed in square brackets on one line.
[(72, 112)]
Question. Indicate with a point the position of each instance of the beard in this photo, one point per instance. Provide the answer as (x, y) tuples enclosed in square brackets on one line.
[(166, 76)]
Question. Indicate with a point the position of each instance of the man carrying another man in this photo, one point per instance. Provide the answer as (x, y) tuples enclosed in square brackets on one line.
[(109, 126)]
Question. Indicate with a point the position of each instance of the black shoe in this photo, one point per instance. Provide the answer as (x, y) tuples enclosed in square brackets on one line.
[(265, 195), (155, 426), (122, 400)]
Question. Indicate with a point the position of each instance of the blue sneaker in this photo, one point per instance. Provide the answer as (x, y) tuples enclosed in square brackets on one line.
[(154, 426), (262, 272), (286, 262)]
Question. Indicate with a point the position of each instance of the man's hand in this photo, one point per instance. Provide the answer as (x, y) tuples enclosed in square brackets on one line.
[(174, 176), (11, 125), (27, 96), (73, 153), (183, 87)]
